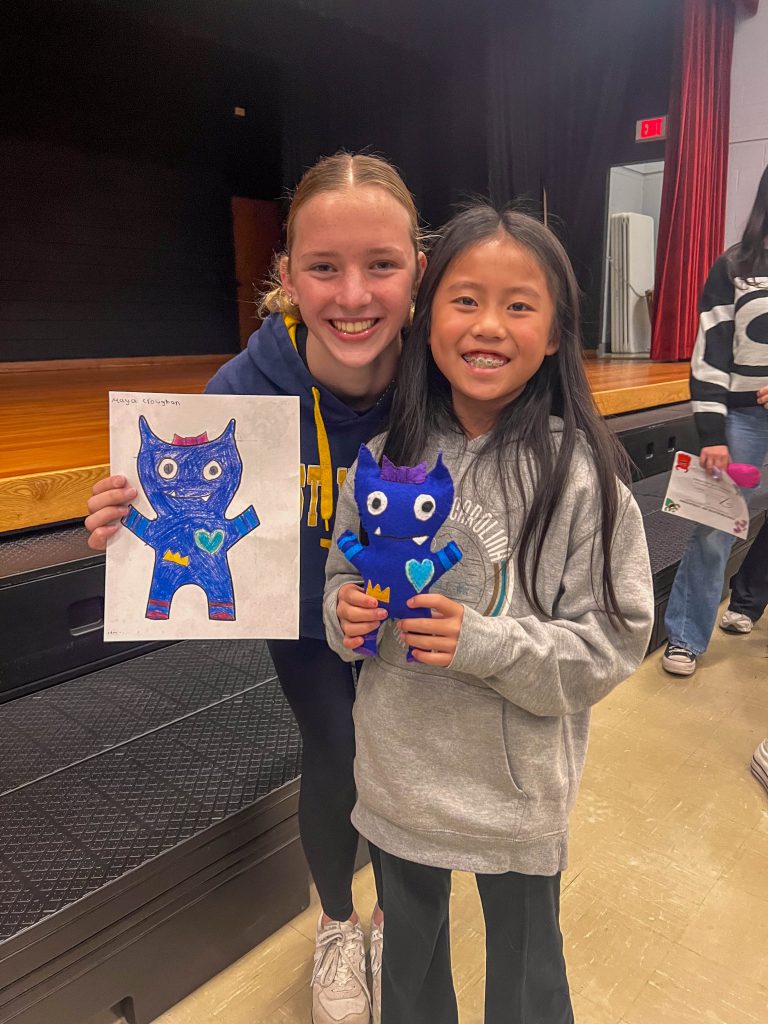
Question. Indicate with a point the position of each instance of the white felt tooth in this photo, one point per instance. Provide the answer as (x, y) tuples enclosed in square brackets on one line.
[(377, 531), (419, 540)]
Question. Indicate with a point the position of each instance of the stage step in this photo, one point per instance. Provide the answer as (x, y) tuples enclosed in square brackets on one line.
[(52, 611), (652, 436), (150, 832)]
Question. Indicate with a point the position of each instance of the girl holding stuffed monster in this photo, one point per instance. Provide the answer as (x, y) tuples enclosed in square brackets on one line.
[(469, 754)]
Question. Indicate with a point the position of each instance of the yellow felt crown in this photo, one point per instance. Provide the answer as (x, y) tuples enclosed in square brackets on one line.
[(375, 591)]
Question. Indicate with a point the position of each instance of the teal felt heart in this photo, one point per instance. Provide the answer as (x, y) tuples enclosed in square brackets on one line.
[(419, 573), (209, 542)]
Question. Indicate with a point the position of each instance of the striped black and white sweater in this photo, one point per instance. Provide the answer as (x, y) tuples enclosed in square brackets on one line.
[(729, 364)]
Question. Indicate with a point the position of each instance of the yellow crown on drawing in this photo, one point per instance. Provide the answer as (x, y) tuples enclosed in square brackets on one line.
[(374, 590), (176, 556)]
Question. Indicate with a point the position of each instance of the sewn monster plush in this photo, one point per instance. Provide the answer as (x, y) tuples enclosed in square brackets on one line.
[(401, 509), (189, 483)]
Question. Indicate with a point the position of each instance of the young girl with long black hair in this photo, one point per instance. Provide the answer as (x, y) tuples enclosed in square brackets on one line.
[(469, 754)]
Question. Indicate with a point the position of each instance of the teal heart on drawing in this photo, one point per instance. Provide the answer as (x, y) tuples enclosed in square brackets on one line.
[(419, 573), (210, 542)]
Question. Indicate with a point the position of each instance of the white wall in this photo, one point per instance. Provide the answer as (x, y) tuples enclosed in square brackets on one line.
[(748, 153)]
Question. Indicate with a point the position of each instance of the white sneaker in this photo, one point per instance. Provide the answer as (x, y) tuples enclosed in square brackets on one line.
[(759, 766), (377, 952), (339, 989), (678, 660), (735, 622)]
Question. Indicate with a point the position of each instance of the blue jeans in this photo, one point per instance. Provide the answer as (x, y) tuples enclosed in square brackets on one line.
[(698, 585)]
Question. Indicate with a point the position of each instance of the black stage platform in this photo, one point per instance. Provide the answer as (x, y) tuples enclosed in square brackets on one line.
[(148, 797), (149, 832)]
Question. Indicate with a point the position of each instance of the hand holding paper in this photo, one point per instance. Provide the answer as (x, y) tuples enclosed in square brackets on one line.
[(694, 494)]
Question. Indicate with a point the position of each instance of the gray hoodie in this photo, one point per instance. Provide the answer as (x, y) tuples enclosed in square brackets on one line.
[(476, 766)]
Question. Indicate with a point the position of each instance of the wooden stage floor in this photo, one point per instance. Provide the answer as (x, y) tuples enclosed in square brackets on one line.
[(54, 439)]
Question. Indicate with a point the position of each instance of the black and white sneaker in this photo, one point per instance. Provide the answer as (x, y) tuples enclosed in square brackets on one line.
[(678, 660)]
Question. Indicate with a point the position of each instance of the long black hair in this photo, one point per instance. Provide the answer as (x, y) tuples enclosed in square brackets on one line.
[(423, 406), (749, 258)]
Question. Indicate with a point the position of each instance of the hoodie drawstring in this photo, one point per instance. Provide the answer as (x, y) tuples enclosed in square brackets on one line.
[(326, 467), (323, 448)]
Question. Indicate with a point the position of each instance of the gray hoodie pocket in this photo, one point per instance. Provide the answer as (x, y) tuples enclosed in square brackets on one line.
[(431, 755)]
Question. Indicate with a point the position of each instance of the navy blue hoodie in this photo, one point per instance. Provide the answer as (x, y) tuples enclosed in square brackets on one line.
[(331, 434)]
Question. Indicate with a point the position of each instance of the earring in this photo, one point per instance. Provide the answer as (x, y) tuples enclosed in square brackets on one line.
[(411, 312)]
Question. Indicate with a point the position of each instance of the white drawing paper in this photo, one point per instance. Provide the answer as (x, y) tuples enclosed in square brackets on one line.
[(693, 494), (210, 547)]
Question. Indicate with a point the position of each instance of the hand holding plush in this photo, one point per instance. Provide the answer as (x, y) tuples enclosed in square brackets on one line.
[(401, 509)]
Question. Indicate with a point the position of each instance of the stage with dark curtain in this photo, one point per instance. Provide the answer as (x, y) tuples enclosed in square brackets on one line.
[(501, 98)]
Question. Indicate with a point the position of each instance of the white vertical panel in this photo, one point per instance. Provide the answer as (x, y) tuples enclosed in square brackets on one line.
[(632, 258)]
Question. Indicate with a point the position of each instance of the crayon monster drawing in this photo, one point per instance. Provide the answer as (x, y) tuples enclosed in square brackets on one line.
[(209, 545), (189, 483)]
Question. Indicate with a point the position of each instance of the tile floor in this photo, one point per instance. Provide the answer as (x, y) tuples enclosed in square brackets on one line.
[(665, 904)]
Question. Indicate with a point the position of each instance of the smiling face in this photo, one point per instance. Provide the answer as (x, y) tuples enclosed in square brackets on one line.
[(195, 476), (352, 271), (491, 328)]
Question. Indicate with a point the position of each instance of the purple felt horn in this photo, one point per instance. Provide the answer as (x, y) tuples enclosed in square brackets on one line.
[(403, 474)]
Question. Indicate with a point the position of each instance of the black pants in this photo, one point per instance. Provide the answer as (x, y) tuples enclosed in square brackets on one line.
[(749, 587), (320, 689), (525, 971)]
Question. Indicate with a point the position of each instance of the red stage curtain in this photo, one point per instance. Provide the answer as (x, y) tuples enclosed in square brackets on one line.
[(692, 218)]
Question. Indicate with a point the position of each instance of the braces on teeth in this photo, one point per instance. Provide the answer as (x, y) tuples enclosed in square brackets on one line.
[(484, 362)]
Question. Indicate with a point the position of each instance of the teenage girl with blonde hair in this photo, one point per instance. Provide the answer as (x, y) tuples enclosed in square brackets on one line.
[(332, 335)]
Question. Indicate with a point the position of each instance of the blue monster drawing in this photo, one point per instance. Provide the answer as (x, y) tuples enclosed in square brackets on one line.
[(190, 482), (401, 509)]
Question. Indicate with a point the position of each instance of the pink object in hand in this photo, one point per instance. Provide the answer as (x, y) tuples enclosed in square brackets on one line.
[(744, 475)]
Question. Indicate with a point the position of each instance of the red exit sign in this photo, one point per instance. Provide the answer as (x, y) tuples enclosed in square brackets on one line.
[(650, 129)]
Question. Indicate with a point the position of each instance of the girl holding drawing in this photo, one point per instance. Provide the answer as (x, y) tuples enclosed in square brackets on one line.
[(729, 392), (332, 335)]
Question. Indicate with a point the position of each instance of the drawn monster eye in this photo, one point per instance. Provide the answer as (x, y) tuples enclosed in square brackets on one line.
[(424, 507), (167, 469), (212, 471), (377, 502)]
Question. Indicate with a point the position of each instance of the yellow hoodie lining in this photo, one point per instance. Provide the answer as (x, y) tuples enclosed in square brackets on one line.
[(323, 448)]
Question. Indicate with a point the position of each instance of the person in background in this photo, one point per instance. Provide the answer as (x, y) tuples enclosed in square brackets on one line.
[(332, 336), (749, 588), (729, 395), (469, 756)]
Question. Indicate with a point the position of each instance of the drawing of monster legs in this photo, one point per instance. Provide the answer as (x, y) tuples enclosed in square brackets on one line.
[(165, 582), (221, 603), (216, 581)]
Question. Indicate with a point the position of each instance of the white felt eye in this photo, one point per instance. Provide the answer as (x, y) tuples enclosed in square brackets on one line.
[(424, 507), (377, 502), (167, 469), (212, 471)]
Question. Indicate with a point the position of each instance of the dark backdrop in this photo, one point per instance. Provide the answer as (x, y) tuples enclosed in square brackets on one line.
[(119, 150), (567, 91)]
